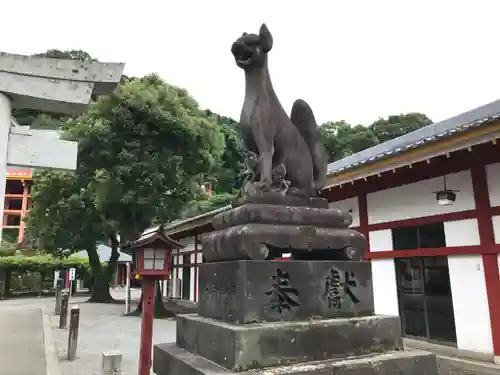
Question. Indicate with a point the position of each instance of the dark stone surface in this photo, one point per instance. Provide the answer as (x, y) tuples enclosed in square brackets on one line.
[(259, 291), (169, 359), (256, 241), (284, 154), (271, 344), (398, 363), (290, 215), (277, 198)]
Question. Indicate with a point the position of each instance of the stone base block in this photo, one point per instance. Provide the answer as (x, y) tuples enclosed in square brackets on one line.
[(169, 359), (279, 215), (259, 291), (257, 231), (257, 241), (252, 346)]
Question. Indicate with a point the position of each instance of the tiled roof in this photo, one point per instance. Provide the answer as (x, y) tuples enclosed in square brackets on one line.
[(428, 134)]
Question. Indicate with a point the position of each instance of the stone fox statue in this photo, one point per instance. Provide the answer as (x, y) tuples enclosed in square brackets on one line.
[(267, 132)]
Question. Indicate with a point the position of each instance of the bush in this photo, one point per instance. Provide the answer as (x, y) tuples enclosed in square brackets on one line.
[(42, 263), (7, 249)]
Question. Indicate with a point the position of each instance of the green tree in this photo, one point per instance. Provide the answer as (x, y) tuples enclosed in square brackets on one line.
[(144, 152), (64, 220), (227, 176), (398, 125), (341, 139), (207, 203)]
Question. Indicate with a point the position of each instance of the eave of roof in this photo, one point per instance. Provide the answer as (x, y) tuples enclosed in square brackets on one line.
[(472, 119)]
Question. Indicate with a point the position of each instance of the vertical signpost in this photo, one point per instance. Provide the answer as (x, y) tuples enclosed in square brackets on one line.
[(127, 289), (72, 276)]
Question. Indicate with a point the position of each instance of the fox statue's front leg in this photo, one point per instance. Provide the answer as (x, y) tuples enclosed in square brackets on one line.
[(263, 134)]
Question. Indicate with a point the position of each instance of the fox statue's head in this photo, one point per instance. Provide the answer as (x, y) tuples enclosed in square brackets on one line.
[(250, 50)]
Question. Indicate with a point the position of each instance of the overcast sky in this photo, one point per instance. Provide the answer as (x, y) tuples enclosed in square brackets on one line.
[(350, 60)]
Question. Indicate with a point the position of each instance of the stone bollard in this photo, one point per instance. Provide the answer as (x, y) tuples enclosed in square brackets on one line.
[(63, 318), (57, 309), (111, 363), (74, 322)]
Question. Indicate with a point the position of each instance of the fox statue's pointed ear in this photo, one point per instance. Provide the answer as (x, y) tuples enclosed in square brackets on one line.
[(266, 39)]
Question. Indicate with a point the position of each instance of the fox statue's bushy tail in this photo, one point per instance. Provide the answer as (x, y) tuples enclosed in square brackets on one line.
[(303, 118)]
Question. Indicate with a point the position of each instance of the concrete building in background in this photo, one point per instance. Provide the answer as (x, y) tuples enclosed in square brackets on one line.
[(429, 204)]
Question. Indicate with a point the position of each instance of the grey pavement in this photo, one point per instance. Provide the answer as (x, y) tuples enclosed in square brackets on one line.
[(104, 328), (22, 349)]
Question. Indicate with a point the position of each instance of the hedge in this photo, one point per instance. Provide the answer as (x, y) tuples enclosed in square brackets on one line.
[(43, 263)]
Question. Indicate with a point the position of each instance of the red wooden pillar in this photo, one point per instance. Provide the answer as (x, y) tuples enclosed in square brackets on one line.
[(363, 218), (196, 250), (147, 316), (24, 211), (487, 239)]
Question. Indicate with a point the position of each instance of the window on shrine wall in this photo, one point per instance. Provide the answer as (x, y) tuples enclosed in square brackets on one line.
[(419, 237)]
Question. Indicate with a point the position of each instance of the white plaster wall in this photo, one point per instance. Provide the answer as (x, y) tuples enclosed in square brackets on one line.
[(188, 244), (496, 232), (192, 276), (418, 199), (461, 233), (180, 261), (496, 228), (200, 260), (346, 205), (385, 292), (380, 240), (470, 303), (493, 177)]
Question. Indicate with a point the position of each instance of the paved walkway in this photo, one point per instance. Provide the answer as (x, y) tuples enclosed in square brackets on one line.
[(104, 328), (22, 348)]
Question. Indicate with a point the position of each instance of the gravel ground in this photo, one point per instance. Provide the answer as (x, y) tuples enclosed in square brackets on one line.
[(104, 328)]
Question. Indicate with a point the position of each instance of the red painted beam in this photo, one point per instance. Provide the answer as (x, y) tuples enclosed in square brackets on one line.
[(458, 161), (433, 252), (487, 240)]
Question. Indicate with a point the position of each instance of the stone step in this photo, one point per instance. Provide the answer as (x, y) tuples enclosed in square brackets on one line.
[(397, 363), (169, 359), (241, 347)]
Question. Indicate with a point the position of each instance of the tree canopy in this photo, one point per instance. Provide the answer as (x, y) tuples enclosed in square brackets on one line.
[(143, 154), (342, 139)]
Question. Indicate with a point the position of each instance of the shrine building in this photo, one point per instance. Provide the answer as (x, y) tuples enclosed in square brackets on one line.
[(17, 203), (429, 204)]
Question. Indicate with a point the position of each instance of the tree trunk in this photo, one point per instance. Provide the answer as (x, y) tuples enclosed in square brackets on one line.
[(42, 279), (100, 279), (8, 279), (160, 310)]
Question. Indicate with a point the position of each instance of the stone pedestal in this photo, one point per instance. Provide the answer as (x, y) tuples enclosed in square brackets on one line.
[(265, 231), (265, 291), (300, 316)]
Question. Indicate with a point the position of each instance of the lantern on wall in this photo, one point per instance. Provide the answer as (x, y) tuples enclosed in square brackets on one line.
[(446, 197)]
